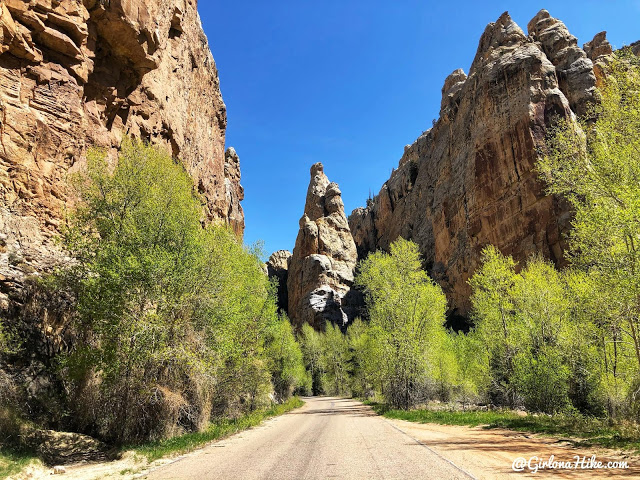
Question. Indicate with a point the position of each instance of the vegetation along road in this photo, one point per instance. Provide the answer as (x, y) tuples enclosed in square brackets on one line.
[(327, 438)]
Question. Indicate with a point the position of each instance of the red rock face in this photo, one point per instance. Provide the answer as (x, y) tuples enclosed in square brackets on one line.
[(470, 181), (76, 74)]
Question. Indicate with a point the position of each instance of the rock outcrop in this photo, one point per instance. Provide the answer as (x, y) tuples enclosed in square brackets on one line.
[(278, 269), (599, 51), (321, 269), (598, 47), (471, 181), (76, 74), (574, 70)]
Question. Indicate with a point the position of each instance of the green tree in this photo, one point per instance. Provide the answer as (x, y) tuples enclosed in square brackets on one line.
[(591, 349), (365, 360), (595, 164), (494, 320), (285, 357), (540, 343), (336, 358), (312, 352), (171, 317), (542, 332), (407, 314), (473, 378)]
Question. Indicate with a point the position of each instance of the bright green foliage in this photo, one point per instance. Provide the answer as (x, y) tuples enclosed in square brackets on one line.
[(591, 349), (327, 356), (175, 322), (493, 314), (538, 347), (286, 362), (366, 360), (595, 164), (473, 378), (407, 314), (336, 357), (312, 352), (541, 332)]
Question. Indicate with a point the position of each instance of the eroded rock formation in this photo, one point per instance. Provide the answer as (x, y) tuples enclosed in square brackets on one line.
[(470, 181), (278, 268), (599, 50), (322, 266), (76, 74)]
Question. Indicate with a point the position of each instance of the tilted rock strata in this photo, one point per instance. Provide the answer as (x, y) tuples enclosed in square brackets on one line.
[(76, 74), (278, 268), (322, 266), (471, 181)]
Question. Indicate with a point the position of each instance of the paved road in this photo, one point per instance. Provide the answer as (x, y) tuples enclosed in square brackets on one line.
[(327, 438)]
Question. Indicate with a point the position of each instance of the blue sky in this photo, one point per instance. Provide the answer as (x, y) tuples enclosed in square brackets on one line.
[(350, 83)]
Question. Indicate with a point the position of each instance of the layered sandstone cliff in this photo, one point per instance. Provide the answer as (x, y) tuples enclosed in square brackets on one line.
[(321, 269), (76, 74), (471, 181)]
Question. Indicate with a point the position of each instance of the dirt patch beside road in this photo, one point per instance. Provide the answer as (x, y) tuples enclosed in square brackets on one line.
[(489, 453)]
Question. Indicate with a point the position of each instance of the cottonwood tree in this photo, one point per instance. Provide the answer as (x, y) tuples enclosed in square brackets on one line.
[(495, 324), (542, 347), (311, 343), (336, 360), (595, 164), (285, 359), (542, 331), (173, 320), (407, 314)]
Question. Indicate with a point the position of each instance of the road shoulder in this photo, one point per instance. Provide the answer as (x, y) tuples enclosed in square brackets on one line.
[(490, 453)]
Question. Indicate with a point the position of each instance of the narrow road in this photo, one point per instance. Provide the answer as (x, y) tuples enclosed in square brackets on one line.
[(326, 438)]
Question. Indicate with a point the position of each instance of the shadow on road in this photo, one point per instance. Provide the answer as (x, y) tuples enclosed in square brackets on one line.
[(337, 406)]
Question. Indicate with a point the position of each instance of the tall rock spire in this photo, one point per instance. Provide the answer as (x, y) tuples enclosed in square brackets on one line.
[(324, 258)]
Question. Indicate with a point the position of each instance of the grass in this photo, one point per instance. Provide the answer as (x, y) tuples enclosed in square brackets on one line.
[(12, 462), (220, 429), (577, 429)]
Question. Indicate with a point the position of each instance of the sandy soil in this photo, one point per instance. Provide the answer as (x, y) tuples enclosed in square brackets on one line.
[(489, 454)]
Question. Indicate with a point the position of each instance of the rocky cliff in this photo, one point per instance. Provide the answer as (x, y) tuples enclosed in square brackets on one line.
[(277, 268), (471, 181), (321, 269), (76, 74)]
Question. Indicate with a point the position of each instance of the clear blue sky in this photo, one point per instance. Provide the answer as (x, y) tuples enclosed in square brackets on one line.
[(350, 83)]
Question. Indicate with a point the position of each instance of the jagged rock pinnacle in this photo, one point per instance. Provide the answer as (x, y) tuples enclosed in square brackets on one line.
[(324, 258)]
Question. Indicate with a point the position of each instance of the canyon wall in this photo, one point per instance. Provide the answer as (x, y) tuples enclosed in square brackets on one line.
[(470, 181), (77, 74)]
